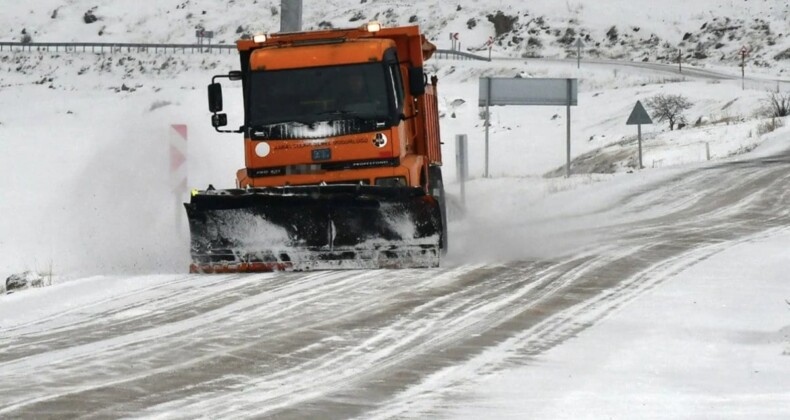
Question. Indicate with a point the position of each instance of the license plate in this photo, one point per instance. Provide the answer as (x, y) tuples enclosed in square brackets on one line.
[(322, 154)]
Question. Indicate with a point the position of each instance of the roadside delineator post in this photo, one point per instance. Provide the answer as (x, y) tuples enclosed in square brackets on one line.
[(488, 119), (638, 117), (579, 44), (461, 164), (178, 167)]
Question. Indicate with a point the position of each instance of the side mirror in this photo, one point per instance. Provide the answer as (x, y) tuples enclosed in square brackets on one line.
[(219, 120), (215, 98), (235, 75), (416, 81)]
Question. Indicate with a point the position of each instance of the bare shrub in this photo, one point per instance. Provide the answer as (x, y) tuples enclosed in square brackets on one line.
[(769, 126), (502, 22), (90, 16), (778, 104), (669, 108)]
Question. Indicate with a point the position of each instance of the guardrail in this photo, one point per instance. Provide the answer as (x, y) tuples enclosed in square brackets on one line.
[(115, 47), (459, 55), (120, 47)]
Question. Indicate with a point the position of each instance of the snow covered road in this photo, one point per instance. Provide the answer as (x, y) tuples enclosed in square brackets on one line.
[(364, 343)]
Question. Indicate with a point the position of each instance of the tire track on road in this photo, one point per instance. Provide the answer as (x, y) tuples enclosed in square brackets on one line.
[(388, 343)]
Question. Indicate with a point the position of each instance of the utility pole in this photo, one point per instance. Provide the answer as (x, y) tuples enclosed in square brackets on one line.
[(290, 15)]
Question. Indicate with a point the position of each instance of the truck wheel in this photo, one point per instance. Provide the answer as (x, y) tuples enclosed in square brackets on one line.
[(436, 187)]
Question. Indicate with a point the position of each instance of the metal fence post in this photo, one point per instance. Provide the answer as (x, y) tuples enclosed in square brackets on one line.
[(461, 164), (488, 118)]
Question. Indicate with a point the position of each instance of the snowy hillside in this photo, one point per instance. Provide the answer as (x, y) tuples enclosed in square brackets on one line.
[(710, 32)]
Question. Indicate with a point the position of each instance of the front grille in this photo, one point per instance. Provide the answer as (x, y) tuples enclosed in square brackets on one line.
[(351, 182), (315, 168), (360, 164)]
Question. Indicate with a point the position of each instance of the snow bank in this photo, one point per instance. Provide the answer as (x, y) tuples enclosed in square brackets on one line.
[(711, 342)]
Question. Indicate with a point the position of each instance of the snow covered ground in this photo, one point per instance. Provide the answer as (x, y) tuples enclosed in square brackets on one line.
[(85, 194), (709, 32), (89, 188), (711, 341), (427, 343)]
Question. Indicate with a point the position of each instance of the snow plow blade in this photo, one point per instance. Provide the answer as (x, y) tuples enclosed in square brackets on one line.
[(313, 228)]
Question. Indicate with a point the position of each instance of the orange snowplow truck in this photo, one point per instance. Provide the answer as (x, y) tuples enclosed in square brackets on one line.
[(342, 157)]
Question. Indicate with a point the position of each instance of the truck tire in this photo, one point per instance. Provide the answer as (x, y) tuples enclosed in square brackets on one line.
[(436, 187)]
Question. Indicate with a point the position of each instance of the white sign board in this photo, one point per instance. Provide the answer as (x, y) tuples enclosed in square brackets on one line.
[(519, 91)]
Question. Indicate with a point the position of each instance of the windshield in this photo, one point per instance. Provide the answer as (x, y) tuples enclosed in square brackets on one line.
[(311, 95)]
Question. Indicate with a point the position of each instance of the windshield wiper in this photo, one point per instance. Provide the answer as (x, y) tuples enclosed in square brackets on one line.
[(259, 126), (346, 114), (341, 112)]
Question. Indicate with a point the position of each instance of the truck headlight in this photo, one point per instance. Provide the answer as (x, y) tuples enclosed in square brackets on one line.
[(373, 26)]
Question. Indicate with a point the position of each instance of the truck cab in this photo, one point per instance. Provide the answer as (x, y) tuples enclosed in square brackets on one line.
[(338, 106)]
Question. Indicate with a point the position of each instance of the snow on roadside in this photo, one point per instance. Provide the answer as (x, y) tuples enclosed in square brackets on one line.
[(87, 188), (527, 141), (711, 341), (87, 185)]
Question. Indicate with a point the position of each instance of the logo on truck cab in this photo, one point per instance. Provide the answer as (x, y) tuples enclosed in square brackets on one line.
[(380, 140)]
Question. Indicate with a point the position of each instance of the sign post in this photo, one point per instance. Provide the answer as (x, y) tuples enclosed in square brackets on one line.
[(490, 45), (638, 117), (579, 44), (520, 91), (744, 53), (202, 34), (680, 60), (454, 40)]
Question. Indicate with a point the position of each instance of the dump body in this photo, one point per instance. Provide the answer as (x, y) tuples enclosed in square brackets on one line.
[(342, 156)]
